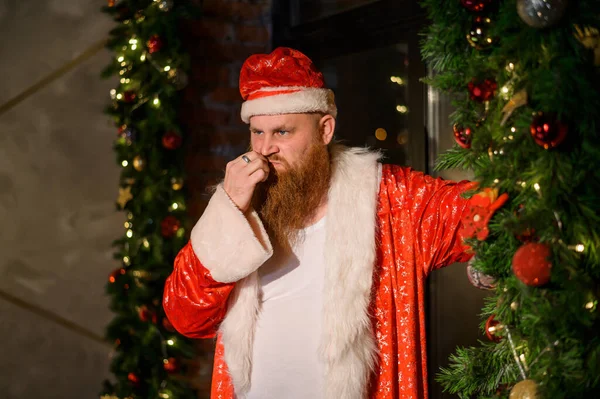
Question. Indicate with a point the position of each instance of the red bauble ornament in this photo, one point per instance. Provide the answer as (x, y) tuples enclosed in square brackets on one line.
[(462, 136), (547, 131), (531, 264), (482, 91), (475, 5), (154, 44), (129, 96), (169, 226), (145, 314), (133, 378), (492, 327), (171, 140), (171, 365), (115, 274), (167, 325)]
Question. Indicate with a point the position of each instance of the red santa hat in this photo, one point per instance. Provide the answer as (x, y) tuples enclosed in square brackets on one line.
[(283, 82)]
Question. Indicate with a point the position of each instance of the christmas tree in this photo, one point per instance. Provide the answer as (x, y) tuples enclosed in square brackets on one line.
[(524, 78), (149, 360)]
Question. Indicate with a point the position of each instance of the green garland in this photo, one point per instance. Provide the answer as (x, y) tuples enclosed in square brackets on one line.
[(151, 64), (538, 77)]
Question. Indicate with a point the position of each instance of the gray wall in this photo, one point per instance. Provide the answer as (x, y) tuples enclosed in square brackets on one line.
[(58, 184)]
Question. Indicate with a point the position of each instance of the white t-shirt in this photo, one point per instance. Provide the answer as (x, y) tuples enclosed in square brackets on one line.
[(285, 360)]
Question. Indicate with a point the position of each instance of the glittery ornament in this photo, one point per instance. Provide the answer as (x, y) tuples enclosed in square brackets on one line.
[(475, 5), (479, 279), (526, 389), (138, 163), (531, 264), (171, 140), (547, 130), (171, 365), (482, 91), (169, 226), (492, 327), (129, 96), (154, 44), (462, 136), (541, 13), (478, 35)]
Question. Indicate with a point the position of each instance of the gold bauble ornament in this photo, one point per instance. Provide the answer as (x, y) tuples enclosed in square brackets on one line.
[(138, 163), (526, 389), (177, 183)]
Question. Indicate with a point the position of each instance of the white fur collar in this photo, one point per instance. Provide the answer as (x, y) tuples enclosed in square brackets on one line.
[(347, 342)]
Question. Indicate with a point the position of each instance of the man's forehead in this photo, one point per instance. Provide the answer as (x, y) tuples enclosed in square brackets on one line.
[(263, 122)]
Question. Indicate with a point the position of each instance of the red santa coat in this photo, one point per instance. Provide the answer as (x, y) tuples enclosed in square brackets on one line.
[(387, 228)]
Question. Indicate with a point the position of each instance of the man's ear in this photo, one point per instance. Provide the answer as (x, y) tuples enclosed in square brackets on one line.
[(327, 127)]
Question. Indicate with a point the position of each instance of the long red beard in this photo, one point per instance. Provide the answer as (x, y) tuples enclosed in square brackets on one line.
[(287, 201)]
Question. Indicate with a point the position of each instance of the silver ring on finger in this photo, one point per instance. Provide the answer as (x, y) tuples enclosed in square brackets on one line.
[(246, 159)]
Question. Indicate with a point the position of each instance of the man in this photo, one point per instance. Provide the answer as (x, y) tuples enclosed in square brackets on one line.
[(309, 262)]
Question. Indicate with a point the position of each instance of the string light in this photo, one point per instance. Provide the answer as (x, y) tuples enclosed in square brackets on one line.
[(156, 101), (146, 243), (397, 79), (126, 260), (579, 248), (167, 68), (143, 57), (122, 80), (381, 134), (124, 163), (537, 187), (171, 342), (129, 233), (128, 225), (119, 96), (402, 109), (121, 58)]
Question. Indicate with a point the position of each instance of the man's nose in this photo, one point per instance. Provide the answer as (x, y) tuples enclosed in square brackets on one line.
[(268, 147)]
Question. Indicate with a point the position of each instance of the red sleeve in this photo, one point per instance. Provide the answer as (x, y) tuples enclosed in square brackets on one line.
[(435, 208), (193, 301)]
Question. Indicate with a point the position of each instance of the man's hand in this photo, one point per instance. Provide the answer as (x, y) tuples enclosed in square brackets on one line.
[(241, 178)]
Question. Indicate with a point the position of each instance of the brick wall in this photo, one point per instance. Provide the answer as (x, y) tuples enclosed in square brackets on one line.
[(226, 34)]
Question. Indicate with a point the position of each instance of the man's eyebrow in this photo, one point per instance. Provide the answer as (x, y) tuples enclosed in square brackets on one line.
[(275, 129)]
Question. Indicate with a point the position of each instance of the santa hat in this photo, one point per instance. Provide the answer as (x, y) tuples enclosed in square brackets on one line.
[(283, 82)]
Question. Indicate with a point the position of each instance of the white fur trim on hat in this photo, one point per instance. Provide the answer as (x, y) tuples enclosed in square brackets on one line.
[(307, 99)]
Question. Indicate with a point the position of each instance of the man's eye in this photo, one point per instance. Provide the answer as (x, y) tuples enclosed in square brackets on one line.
[(283, 132), (258, 132)]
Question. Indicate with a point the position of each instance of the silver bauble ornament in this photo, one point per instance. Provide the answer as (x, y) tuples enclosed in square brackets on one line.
[(179, 78), (164, 5), (541, 13)]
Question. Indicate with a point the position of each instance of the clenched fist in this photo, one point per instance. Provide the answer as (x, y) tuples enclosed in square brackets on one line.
[(241, 178)]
